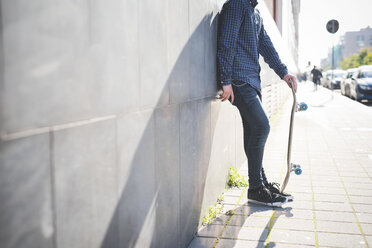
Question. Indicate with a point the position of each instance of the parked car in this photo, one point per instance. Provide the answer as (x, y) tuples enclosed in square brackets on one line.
[(361, 83), (326, 78), (345, 83), (335, 82)]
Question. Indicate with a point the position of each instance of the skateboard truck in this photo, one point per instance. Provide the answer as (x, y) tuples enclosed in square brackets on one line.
[(296, 168)]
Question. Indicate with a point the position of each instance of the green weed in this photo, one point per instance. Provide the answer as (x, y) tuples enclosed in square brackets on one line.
[(212, 213), (235, 179)]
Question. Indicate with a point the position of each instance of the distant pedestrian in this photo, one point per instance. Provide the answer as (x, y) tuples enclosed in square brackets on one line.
[(317, 75), (241, 39)]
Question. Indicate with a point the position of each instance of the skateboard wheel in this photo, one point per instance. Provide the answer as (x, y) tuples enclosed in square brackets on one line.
[(298, 171), (303, 106)]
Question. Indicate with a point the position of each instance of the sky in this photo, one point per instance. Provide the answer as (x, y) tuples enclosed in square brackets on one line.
[(314, 39)]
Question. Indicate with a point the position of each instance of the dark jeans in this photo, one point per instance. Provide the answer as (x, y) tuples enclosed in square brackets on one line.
[(256, 130)]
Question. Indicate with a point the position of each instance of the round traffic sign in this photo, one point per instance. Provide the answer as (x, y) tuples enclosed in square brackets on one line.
[(332, 26)]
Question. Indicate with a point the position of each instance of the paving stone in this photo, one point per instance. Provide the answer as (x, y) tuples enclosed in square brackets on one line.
[(369, 239), (347, 164), (210, 231), (250, 221), (247, 233), (360, 185), (361, 208), (330, 198), (352, 169), (322, 177), (361, 199), (297, 189), (300, 181), (240, 243), (295, 213), (321, 168), (356, 179), (340, 240), (328, 190), (302, 196), (234, 192), (333, 184), (231, 199), (294, 237), (220, 220), (359, 192), (251, 209), (200, 242), (334, 216), (320, 156), (358, 174), (227, 207), (337, 227), (367, 228), (293, 224), (364, 217), (286, 245), (301, 204), (333, 206)]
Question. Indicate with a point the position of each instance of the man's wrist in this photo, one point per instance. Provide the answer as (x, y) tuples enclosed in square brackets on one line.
[(226, 82), (283, 74)]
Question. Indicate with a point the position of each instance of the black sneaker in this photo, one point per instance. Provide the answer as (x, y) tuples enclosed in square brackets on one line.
[(275, 188), (263, 196)]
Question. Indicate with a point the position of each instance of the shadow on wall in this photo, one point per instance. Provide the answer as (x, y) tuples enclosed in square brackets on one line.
[(162, 177)]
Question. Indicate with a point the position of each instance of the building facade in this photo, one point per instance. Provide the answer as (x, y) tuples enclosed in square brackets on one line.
[(287, 12), (336, 55), (353, 42)]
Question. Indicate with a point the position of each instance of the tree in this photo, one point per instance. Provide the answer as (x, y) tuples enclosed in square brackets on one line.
[(364, 57), (368, 59)]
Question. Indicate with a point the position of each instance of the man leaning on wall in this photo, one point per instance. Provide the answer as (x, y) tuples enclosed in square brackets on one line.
[(241, 39)]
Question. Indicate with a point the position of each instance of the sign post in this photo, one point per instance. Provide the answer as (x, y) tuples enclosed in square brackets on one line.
[(332, 27)]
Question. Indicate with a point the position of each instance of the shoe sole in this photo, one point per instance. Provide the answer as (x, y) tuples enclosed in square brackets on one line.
[(275, 204)]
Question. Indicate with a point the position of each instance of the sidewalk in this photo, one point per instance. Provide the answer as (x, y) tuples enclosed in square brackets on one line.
[(333, 196)]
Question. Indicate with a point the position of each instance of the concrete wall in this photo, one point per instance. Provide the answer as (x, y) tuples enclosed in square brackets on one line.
[(111, 135)]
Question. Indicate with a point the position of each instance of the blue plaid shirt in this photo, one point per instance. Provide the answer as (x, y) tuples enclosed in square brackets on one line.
[(241, 38)]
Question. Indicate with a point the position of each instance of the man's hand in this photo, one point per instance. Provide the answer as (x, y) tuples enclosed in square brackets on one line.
[(227, 93), (294, 80)]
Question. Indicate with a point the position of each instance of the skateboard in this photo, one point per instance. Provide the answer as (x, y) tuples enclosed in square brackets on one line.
[(296, 168)]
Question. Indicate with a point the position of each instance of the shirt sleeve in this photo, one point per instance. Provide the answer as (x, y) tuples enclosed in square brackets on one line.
[(231, 19), (270, 55)]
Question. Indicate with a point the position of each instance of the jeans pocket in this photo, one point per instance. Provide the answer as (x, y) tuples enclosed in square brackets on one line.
[(245, 92)]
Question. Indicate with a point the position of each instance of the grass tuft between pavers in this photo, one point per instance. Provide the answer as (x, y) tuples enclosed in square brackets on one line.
[(235, 181)]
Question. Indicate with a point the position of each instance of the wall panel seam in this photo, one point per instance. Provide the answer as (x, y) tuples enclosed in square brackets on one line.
[(52, 188)]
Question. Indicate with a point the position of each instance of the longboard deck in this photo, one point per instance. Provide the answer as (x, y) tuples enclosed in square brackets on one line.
[(292, 167)]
